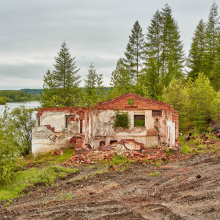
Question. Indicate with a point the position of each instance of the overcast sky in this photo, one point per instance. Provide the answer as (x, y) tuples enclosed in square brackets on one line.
[(31, 33)]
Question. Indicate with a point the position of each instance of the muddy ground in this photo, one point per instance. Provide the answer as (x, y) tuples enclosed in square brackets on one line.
[(186, 189)]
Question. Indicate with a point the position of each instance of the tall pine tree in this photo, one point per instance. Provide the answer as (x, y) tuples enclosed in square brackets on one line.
[(61, 87), (135, 51), (94, 89), (153, 55), (153, 43), (121, 79), (172, 54), (164, 52), (196, 59), (212, 33)]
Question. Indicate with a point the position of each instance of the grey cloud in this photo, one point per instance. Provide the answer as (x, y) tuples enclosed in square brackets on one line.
[(95, 31), (25, 71)]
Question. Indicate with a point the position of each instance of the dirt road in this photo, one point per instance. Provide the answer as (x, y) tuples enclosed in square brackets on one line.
[(186, 189)]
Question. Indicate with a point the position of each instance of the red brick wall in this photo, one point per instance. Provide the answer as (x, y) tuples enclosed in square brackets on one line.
[(140, 103)]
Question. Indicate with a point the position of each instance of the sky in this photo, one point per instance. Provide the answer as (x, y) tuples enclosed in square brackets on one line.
[(95, 31)]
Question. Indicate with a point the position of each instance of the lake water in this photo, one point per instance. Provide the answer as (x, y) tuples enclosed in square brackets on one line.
[(12, 105)]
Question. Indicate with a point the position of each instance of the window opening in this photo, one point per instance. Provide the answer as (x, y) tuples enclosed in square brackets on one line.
[(113, 142), (121, 120), (156, 113), (139, 120), (66, 120), (102, 144), (81, 126)]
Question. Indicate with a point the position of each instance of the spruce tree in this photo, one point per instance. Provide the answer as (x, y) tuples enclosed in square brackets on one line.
[(135, 51), (212, 33), (153, 42), (172, 54), (153, 78), (153, 55), (61, 87), (215, 73), (94, 89), (196, 59), (121, 78), (164, 52)]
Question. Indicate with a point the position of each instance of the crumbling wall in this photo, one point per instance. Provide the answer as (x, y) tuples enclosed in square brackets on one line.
[(93, 127), (55, 119), (154, 133), (52, 132), (44, 140)]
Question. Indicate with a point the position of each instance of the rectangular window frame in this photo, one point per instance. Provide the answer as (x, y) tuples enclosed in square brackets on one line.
[(139, 122), (66, 120), (157, 113)]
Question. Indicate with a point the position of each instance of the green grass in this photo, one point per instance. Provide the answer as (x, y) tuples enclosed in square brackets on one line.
[(158, 164), (30, 177), (46, 158), (167, 151), (156, 173), (185, 149), (118, 160)]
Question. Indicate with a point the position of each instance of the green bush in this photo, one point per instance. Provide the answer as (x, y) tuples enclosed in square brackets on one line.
[(8, 149)]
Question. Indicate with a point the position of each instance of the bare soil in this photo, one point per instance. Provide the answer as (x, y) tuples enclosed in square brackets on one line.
[(185, 189)]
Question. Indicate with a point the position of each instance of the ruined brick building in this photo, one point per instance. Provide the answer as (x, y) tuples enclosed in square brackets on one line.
[(152, 123)]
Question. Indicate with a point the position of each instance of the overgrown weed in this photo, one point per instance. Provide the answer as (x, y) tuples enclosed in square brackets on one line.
[(45, 176), (45, 158), (185, 149)]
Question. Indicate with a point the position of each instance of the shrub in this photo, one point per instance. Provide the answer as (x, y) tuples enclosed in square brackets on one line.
[(8, 149)]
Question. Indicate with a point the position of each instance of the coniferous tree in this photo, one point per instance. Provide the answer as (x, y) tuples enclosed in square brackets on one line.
[(93, 92), (215, 73), (196, 59), (212, 34), (135, 51), (61, 87), (153, 78), (121, 78), (153, 55), (153, 44), (172, 55), (164, 52)]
